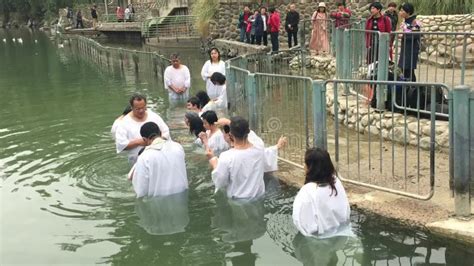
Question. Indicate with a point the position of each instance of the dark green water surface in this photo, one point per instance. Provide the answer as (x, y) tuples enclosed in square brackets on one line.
[(65, 198)]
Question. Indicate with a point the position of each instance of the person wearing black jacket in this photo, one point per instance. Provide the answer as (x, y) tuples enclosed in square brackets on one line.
[(291, 25)]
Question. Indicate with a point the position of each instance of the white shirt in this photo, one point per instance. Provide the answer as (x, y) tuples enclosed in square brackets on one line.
[(206, 72), (115, 125), (316, 213), (240, 172), (264, 18), (129, 129), (160, 170), (177, 77), (220, 93), (127, 13), (216, 142), (270, 153)]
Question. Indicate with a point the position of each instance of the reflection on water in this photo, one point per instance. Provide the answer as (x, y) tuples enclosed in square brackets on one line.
[(65, 198)]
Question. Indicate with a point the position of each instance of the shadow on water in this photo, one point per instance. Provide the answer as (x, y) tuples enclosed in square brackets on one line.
[(65, 198)]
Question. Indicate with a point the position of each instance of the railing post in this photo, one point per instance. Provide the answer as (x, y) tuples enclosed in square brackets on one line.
[(333, 37), (252, 101), (339, 53), (461, 153), (347, 63), (229, 85), (319, 114), (382, 69)]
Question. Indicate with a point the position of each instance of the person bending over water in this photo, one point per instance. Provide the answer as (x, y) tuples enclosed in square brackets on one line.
[(213, 138), (160, 170), (321, 206), (193, 104), (127, 137), (239, 170), (195, 125)]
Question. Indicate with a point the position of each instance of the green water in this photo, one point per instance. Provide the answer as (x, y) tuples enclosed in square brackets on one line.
[(65, 198)]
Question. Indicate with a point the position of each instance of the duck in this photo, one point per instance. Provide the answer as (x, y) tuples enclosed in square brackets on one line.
[(4, 40), (20, 40), (14, 40)]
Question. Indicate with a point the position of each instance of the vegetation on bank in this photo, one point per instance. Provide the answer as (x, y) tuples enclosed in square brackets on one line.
[(36, 10), (441, 7), (204, 11)]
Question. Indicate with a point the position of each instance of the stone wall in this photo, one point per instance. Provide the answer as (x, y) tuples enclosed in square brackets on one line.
[(231, 49), (392, 126)]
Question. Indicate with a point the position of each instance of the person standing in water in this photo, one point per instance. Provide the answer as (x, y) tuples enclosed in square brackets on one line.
[(214, 64), (177, 80)]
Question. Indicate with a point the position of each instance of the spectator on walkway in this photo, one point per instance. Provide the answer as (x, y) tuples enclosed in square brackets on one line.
[(177, 80), (264, 37), (341, 16), (410, 42), (79, 22), (319, 43), (291, 25), (214, 64), (70, 16), (274, 25), (321, 206), (377, 22), (392, 13), (95, 18), (132, 11), (254, 20), (242, 24), (128, 14), (120, 13)]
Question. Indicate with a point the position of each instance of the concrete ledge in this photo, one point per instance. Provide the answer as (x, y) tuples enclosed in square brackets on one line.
[(233, 48), (460, 230)]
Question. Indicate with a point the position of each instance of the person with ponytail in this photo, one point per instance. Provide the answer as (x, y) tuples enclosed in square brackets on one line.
[(321, 206)]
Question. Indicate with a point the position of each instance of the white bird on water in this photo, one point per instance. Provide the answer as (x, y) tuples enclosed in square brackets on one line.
[(20, 40), (14, 40), (36, 41), (60, 45), (4, 40)]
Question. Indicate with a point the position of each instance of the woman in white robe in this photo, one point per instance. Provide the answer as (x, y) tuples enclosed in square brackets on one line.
[(214, 64), (117, 121), (321, 206), (213, 139)]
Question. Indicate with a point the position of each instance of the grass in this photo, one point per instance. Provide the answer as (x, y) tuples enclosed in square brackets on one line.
[(204, 11), (441, 7)]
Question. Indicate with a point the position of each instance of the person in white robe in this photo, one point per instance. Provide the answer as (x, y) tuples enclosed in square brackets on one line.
[(321, 206), (127, 135), (177, 80), (214, 64), (213, 138), (195, 125), (117, 121), (239, 171), (160, 170), (219, 92), (270, 153)]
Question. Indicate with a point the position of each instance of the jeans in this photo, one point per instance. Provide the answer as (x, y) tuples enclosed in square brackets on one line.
[(242, 34), (274, 40), (292, 34)]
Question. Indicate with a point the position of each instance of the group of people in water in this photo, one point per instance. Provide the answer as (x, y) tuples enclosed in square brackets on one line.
[(237, 156)]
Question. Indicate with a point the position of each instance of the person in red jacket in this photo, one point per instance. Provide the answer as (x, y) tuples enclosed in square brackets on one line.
[(341, 15), (376, 22), (274, 25)]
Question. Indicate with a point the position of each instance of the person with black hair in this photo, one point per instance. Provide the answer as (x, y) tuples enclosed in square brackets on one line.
[(321, 206), (218, 93), (127, 136), (213, 138), (291, 25), (239, 171), (205, 103), (377, 22), (410, 42), (195, 124), (193, 104), (161, 169), (214, 65), (274, 28), (341, 16), (177, 79)]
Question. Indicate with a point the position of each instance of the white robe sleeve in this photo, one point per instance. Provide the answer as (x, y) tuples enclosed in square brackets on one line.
[(187, 78), (141, 178), (121, 139), (205, 70), (165, 131), (222, 67), (221, 175), (304, 218), (221, 100), (167, 78), (271, 159)]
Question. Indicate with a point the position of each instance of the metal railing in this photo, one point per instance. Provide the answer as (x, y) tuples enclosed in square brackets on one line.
[(169, 27)]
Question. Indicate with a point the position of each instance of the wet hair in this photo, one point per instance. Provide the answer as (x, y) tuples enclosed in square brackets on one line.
[(376, 5), (127, 109), (203, 98), (320, 169), (392, 4), (150, 130), (210, 117), (218, 54), (226, 129), (174, 57), (136, 97), (409, 8), (141, 151), (218, 78), (239, 127), (194, 101), (195, 123)]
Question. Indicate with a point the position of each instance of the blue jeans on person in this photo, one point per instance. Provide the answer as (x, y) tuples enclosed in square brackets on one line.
[(242, 34)]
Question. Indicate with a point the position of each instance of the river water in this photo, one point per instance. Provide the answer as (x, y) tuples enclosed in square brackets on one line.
[(65, 198)]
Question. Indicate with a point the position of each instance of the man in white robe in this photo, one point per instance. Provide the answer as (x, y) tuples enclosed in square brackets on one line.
[(160, 170), (177, 80), (239, 170), (127, 135)]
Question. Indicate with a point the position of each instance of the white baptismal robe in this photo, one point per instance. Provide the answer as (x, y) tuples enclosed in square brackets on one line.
[(240, 172), (216, 142), (177, 77), (316, 213), (129, 129), (270, 153), (206, 72), (160, 170)]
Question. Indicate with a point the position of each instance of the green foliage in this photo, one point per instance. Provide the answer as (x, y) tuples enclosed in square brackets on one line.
[(37, 9), (204, 11), (441, 7)]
